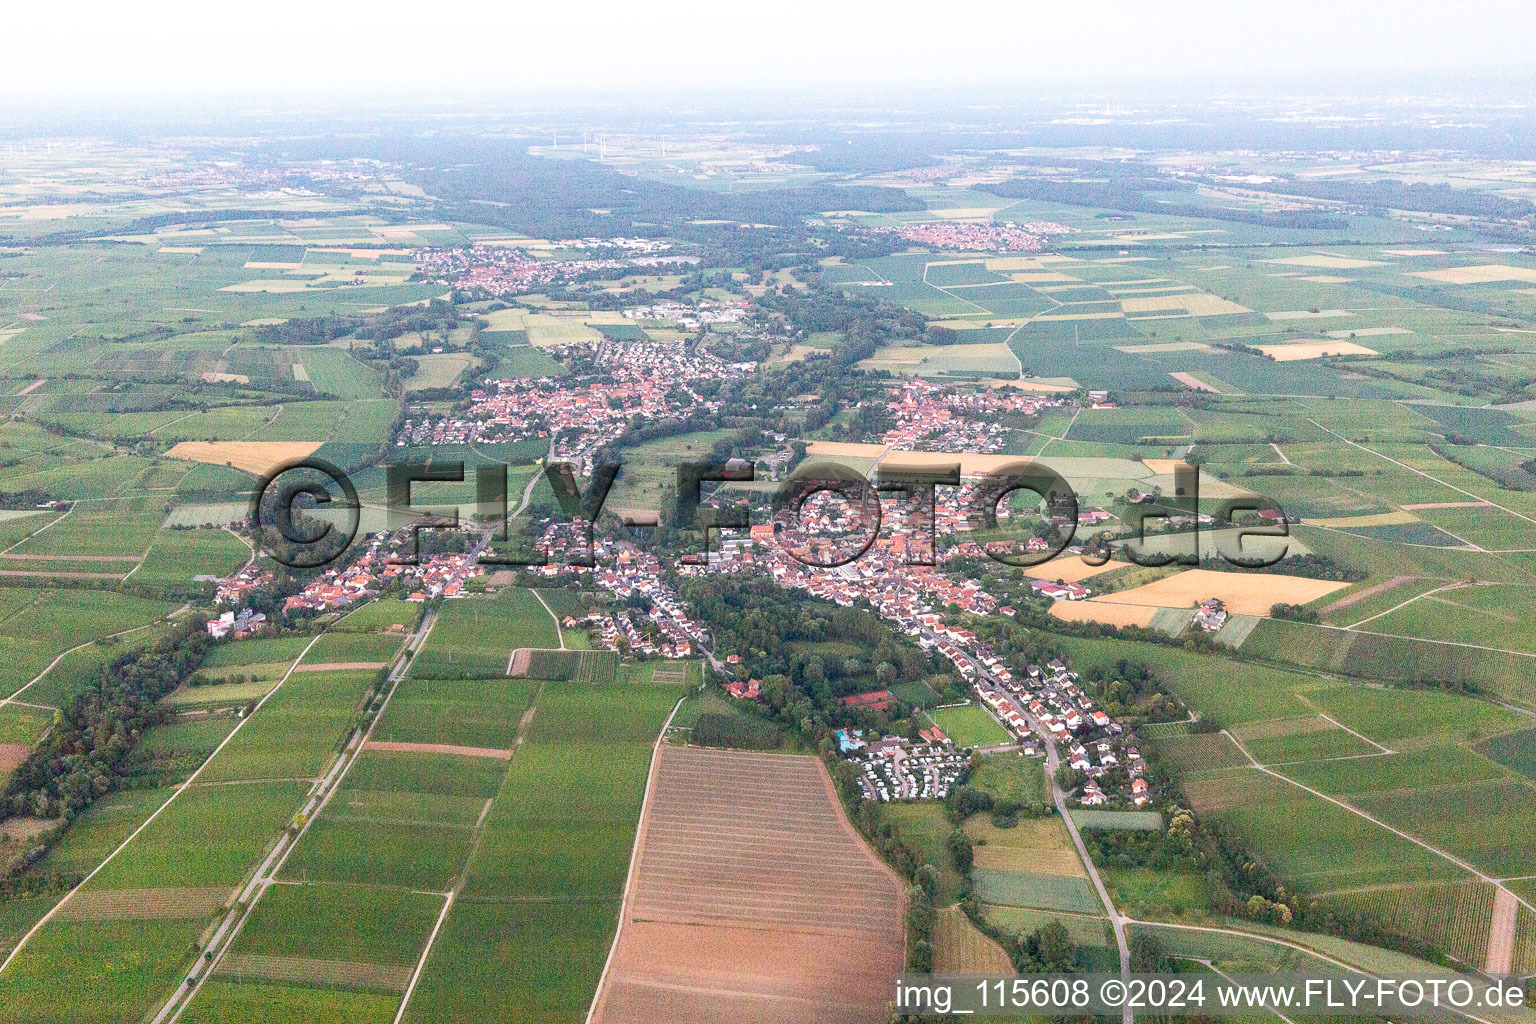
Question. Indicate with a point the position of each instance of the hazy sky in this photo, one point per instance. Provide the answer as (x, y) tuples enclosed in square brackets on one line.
[(70, 47)]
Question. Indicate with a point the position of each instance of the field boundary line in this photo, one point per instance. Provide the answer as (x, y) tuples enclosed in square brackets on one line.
[(421, 963), (1422, 639), (1309, 950), (477, 839), (634, 856), (146, 822), (1416, 597), (54, 663), (40, 529), (252, 550), (1341, 725), (1420, 472), (560, 633), (1481, 875), (257, 886)]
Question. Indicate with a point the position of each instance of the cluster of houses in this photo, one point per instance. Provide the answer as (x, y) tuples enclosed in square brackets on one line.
[(650, 381), (926, 416), (383, 565), (1211, 615), (663, 630), (980, 236), (506, 270), (237, 588), (1048, 699), (1046, 702), (1059, 591)]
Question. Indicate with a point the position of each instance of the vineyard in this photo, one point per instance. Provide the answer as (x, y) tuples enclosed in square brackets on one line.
[(1454, 918), (571, 666), (1525, 942)]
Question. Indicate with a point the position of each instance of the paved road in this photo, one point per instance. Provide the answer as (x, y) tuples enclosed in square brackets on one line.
[(224, 936), (1052, 762), (1117, 922), (182, 788)]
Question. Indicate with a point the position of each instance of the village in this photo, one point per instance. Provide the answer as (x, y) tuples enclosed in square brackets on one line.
[(898, 574), (654, 382), (981, 237), (498, 270)]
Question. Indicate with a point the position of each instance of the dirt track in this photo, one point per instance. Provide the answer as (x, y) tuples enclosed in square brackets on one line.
[(1501, 936), (753, 900), (438, 748)]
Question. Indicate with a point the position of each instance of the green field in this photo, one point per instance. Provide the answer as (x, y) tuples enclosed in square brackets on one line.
[(297, 731), (1046, 892), (555, 847), (1012, 778), (970, 726), (465, 712), (379, 615), (473, 638)]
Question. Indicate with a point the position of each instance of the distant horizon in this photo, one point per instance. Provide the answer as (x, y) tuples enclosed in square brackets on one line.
[(78, 50)]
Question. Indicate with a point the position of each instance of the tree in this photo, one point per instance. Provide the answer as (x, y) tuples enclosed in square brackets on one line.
[(1054, 947)]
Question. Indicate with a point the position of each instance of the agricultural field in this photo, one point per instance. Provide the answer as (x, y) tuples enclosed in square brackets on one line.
[(1345, 346), (556, 839), (38, 626), (475, 637), (681, 932)]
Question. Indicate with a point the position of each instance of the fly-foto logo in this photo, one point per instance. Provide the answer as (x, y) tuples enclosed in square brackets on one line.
[(306, 513)]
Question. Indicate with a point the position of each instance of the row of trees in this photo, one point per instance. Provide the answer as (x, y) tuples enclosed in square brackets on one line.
[(86, 754)]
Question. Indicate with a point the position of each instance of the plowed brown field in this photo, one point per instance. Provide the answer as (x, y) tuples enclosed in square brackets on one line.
[(752, 900)]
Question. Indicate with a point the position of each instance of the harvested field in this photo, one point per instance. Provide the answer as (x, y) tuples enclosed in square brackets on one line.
[(971, 463), (142, 904), (1379, 519), (11, 756), (1189, 380), (252, 456), (1243, 593), (1163, 467), (1035, 845), (438, 748), (1294, 351), (752, 899), (1196, 304), (1490, 273), (327, 973), (1323, 259), (1109, 614), (847, 449)]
